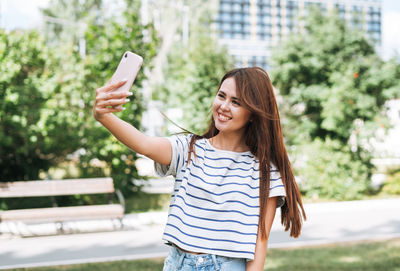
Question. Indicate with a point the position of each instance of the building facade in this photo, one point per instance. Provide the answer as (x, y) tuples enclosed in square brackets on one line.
[(250, 28)]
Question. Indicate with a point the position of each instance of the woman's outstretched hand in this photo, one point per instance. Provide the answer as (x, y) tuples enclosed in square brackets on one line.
[(108, 100)]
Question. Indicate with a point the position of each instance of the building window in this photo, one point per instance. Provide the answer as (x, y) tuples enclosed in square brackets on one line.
[(237, 27), (246, 28), (238, 17), (226, 7), (226, 27), (226, 35), (237, 36), (225, 17), (266, 19), (245, 8)]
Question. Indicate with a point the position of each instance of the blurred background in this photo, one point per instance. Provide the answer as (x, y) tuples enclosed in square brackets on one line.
[(335, 66)]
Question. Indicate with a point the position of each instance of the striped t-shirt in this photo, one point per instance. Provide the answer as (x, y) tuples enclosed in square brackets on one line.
[(215, 203)]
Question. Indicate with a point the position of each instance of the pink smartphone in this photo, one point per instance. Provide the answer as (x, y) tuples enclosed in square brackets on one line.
[(128, 69)]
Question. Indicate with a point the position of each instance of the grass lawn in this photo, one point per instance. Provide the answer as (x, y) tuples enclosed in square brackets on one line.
[(365, 256)]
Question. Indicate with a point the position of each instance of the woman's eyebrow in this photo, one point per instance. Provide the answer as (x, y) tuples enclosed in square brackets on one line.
[(233, 98)]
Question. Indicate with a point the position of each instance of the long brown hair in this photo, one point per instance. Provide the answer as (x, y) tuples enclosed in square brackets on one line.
[(264, 137)]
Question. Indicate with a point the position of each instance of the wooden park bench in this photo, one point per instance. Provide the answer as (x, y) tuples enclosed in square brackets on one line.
[(61, 188)]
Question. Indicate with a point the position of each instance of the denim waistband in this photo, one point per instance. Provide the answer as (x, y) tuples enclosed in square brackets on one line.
[(197, 260)]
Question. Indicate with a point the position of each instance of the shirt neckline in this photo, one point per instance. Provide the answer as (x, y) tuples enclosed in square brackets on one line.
[(226, 151)]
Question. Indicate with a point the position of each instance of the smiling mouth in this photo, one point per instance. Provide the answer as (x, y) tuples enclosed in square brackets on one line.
[(223, 117)]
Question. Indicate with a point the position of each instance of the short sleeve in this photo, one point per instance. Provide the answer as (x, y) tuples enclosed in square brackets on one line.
[(277, 188), (180, 148)]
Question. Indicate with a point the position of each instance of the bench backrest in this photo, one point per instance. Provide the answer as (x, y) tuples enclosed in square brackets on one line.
[(56, 187)]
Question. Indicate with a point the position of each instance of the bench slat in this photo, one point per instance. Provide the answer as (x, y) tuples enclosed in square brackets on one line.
[(56, 187), (63, 213)]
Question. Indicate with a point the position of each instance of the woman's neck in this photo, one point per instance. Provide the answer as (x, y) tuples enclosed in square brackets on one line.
[(235, 143)]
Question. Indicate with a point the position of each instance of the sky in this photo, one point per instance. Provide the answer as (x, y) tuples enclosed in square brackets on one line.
[(25, 14)]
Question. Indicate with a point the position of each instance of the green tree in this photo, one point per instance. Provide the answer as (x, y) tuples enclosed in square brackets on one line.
[(107, 36), (66, 20), (42, 111), (25, 87), (192, 76), (97, 152), (335, 87), (47, 94), (106, 44)]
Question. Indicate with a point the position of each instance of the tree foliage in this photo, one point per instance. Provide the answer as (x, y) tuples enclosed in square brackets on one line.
[(334, 76), (392, 183), (25, 87), (106, 44), (330, 171), (47, 93), (43, 109), (335, 87), (192, 76)]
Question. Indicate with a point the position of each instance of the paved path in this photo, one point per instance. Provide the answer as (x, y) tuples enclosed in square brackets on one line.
[(326, 223)]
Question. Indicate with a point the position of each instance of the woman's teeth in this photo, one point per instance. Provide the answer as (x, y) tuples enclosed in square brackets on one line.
[(222, 117)]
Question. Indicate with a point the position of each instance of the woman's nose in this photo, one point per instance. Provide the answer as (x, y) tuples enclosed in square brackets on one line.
[(225, 105)]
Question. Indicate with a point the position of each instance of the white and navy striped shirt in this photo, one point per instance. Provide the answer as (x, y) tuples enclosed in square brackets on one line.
[(215, 204)]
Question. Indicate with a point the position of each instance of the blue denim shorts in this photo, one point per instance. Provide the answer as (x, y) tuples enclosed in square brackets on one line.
[(182, 261)]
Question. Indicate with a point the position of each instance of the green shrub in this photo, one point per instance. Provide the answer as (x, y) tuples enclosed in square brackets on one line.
[(392, 184), (331, 171), (46, 98), (26, 86)]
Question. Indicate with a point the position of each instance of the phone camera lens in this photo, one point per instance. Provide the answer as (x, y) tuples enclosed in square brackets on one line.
[(126, 55)]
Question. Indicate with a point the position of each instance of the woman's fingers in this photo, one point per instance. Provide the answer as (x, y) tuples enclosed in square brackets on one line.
[(112, 102), (119, 107), (108, 100), (105, 110), (104, 96)]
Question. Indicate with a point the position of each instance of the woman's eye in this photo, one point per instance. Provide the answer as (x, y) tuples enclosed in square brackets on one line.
[(220, 95), (235, 103)]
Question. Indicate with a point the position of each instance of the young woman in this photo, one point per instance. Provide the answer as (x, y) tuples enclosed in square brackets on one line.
[(229, 181)]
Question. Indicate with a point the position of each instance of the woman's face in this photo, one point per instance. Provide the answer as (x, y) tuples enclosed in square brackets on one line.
[(229, 116)]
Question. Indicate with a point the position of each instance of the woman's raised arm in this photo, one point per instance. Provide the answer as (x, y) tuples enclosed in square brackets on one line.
[(108, 101)]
